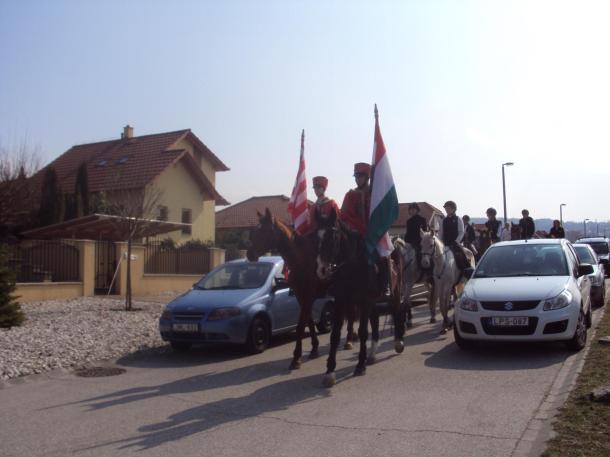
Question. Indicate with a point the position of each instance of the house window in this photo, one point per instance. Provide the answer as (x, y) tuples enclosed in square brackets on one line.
[(162, 213), (186, 219)]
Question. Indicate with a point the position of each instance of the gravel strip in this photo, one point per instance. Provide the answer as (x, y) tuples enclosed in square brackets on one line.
[(72, 333)]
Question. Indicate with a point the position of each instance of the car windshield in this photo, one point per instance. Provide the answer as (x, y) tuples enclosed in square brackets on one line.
[(523, 260), (243, 275), (600, 247), (584, 255)]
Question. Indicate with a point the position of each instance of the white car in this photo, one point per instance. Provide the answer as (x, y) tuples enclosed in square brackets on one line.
[(586, 254), (526, 290)]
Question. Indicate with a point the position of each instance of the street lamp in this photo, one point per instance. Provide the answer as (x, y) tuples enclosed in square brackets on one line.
[(585, 225), (561, 213), (508, 164)]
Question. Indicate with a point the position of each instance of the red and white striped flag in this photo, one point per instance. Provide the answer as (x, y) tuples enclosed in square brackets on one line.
[(297, 206)]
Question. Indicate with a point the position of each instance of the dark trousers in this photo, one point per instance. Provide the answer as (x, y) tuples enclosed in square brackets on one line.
[(460, 256)]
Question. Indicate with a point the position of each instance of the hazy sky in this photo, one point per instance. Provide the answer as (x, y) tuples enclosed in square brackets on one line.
[(461, 87)]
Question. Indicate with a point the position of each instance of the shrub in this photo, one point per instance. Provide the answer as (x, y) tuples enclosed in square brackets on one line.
[(10, 311)]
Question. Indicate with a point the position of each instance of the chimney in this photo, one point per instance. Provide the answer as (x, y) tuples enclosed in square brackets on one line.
[(127, 132)]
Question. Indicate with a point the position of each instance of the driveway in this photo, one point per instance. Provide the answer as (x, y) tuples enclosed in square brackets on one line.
[(432, 400)]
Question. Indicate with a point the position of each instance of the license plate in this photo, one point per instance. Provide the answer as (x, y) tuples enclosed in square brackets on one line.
[(510, 321), (190, 328)]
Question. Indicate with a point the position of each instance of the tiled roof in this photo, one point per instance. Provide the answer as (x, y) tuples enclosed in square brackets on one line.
[(425, 210), (243, 214), (130, 163)]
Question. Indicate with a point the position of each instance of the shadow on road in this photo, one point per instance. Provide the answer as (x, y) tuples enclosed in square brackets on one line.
[(499, 357)]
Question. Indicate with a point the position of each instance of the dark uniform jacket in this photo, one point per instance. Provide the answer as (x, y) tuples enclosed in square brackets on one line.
[(527, 228), (450, 230), (469, 235), (493, 227), (414, 224), (557, 232)]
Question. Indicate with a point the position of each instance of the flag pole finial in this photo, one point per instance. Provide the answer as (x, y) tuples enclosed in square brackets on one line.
[(302, 137), (376, 112)]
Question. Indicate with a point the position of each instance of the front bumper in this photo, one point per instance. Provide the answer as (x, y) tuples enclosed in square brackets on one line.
[(232, 331), (543, 325)]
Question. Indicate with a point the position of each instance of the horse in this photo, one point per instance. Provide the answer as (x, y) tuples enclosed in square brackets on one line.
[(356, 286), (412, 273), (445, 272), (299, 254)]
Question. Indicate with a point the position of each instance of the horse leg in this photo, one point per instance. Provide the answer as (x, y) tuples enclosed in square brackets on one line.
[(298, 349), (408, 315), (444, 305), (363, 334), (374, 318), (399, 316), (335, 337), (432, 303), (314, 339), (350, 330)]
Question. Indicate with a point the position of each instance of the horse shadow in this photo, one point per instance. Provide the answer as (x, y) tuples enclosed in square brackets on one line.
[(496, 356), (262, 402)]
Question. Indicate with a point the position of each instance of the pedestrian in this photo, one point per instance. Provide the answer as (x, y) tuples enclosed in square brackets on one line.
[(557, 230)]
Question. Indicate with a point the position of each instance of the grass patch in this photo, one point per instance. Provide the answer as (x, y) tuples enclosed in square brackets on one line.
[(583, 426)]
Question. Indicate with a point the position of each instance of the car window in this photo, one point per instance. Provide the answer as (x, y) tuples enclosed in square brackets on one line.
[(246, 275), (600, 247), (523, 260), (584, 255), (573, 260)]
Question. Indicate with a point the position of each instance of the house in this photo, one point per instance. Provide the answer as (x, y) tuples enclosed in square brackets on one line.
[(426, 210), (177, 166)]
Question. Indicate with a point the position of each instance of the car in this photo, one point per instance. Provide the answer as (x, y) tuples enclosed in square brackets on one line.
[(526, 290), (239, 302), (601, 246), (586, 254)]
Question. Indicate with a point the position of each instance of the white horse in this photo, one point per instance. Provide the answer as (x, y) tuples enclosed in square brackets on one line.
[(412, 274), (447, 276)]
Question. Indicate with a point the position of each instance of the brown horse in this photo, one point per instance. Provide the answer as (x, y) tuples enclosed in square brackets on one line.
[(299, 254)]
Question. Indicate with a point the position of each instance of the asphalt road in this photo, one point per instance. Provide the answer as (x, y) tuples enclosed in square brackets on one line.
[(432, 400)]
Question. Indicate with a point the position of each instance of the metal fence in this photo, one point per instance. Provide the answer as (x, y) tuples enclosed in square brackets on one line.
[(163, 258), (44, 260)]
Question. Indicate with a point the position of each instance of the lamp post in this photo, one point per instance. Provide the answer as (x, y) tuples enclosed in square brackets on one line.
[(561, 213), (585, 226), (508, 164)]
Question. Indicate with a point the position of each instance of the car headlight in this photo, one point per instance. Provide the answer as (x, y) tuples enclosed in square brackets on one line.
[(167, 315), (560, 301), (468, 303), (224, 313)]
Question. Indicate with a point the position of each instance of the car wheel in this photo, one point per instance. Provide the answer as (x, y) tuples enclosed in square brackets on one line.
[(180, 346), (579, 340), (258, 336), (602, 299), (326, 318), (463, 344), (589, 317)]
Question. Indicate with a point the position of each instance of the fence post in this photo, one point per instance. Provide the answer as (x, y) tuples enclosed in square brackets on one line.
[(217, 256), (86, 268)]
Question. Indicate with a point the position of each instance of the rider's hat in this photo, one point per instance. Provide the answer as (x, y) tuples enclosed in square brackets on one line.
[(362, 168), (491, 211), (414, 206), (450, 204), (320, 181)]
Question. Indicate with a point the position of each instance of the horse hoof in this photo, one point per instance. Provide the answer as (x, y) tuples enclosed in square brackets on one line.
[(360, 370), (313, 354), (295, 365), (329, 380), (399, 346), (348, 346), (432, 320), (443, 331)]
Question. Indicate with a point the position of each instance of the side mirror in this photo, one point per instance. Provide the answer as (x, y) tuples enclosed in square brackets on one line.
[(468, 272), (585, 269), (280, 283)]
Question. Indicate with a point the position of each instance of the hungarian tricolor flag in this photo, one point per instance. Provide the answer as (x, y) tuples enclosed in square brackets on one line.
[(297, 206), (384, 202)]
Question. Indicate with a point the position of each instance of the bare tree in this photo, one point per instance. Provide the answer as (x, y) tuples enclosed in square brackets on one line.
[(136, 208), (17, 193)]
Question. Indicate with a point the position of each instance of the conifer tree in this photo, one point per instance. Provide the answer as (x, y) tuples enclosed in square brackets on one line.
[(81, 191), (51, 199), (10, 311)]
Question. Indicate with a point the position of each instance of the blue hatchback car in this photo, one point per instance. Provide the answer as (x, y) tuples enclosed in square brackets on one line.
[(239, 302)]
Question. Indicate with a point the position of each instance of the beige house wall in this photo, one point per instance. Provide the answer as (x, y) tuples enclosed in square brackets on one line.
[(206, 167), (179, 191)]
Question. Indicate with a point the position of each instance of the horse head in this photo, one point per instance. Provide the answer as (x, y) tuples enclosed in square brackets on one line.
[(428, 249), (329, 247), (263, 237)]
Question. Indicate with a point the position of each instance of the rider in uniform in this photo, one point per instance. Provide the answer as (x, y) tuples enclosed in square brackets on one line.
[(323, 206), (451, 233), (493, 225), (414, 225), (526, 225)]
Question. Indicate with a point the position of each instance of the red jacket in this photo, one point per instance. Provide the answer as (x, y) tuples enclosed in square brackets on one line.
[(355, 209), (324, 209)]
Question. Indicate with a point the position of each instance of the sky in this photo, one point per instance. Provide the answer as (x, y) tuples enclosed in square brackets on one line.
[(461, 86)]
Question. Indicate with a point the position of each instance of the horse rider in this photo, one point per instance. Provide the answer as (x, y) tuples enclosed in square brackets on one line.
[(451, 233), (323, 206), (493, 225), (469, 234), (557, 230), (415, 224), (527, 228)]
